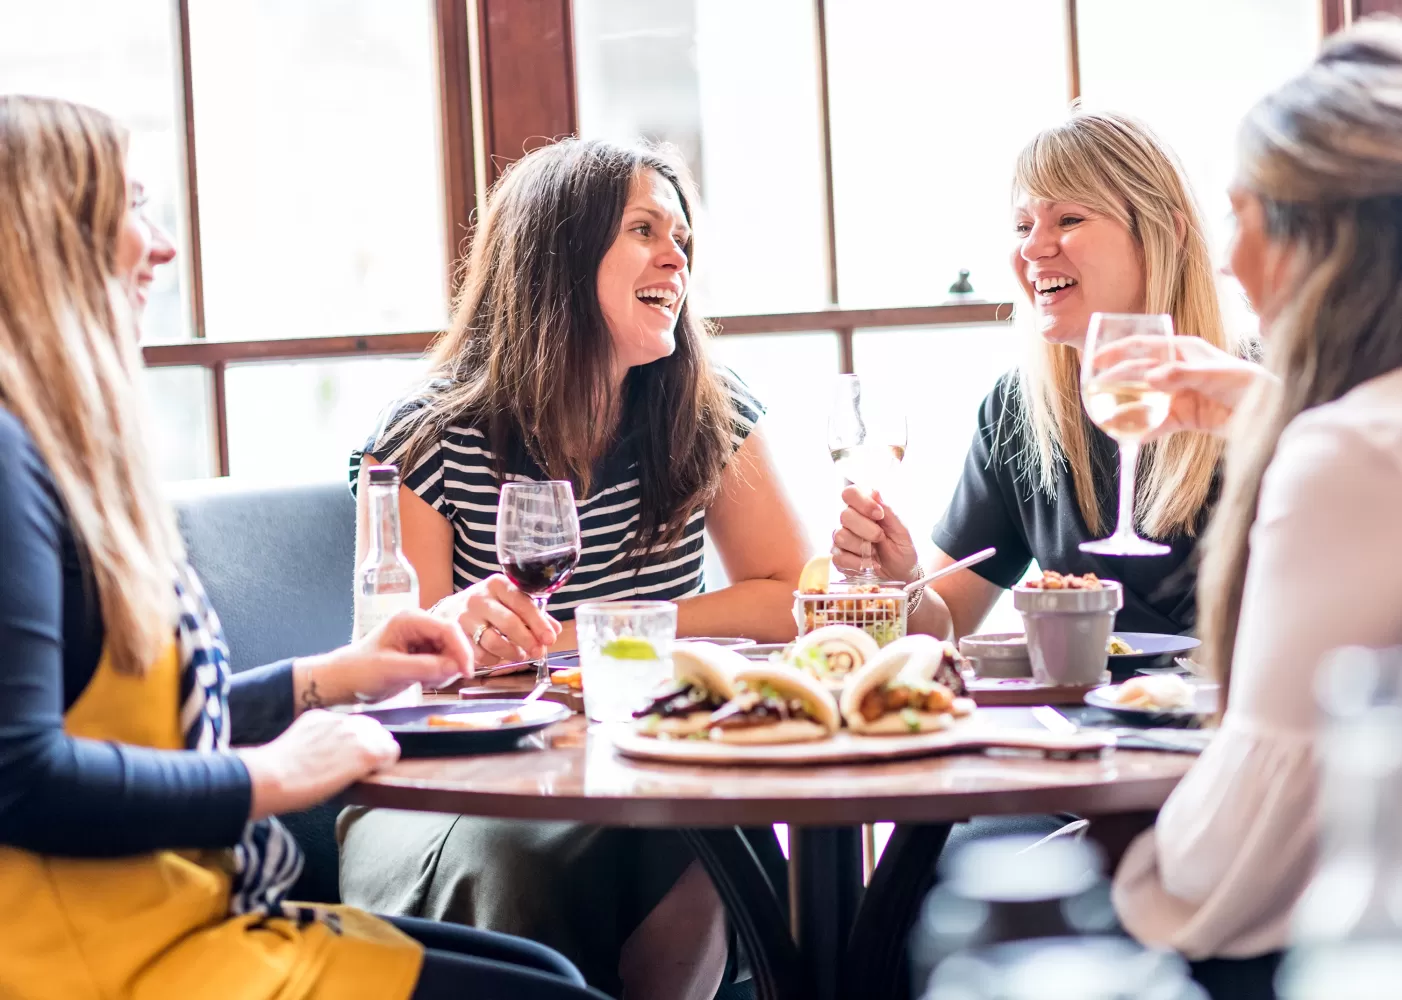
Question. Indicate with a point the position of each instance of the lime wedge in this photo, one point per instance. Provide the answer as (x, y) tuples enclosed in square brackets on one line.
[(629, 648)]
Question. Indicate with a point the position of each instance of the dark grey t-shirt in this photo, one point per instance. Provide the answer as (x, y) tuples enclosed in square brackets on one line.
[(996, 504)]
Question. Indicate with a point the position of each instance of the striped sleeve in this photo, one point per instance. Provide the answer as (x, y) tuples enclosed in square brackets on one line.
[(747, 409), (387, 445)]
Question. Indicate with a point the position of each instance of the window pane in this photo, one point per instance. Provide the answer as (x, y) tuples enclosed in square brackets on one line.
[(930, 102), (1195, 99), (321, 195), (942, 373), (791, 374), (298, 422), (182, 432), (120, 58), (733, 85)]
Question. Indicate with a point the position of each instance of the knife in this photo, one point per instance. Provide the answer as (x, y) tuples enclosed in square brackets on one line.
[(1175, 740)]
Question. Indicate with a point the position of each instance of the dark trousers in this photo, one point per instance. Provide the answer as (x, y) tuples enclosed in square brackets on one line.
[(464, 962), (1239, 978)]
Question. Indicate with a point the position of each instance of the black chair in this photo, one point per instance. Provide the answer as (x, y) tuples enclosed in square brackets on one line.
[(277, 565)]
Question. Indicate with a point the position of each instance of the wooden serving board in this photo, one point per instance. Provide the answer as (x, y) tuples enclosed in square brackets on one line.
[(848, 748), (991, 692)]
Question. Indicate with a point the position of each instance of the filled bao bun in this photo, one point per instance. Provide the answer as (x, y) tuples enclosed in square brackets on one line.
[(897, 694), (775, 704), (703, 680), (833, 653)]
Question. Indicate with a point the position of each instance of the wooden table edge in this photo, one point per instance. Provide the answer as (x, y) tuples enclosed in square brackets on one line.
[(1094, 799)]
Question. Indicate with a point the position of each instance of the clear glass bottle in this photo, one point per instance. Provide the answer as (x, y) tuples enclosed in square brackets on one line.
[(1347, 928), (385, 583)]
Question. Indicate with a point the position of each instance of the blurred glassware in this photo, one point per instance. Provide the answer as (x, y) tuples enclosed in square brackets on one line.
[(1089, 968), (999, 890), (1348, 925)]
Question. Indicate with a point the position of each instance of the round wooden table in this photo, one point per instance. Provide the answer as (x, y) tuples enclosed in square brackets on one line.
[(820, 935)]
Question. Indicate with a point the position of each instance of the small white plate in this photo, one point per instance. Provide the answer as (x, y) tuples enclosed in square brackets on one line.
[(1205, 697)]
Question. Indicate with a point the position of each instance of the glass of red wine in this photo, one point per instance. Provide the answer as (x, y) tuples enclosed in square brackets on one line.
[(538, 541)]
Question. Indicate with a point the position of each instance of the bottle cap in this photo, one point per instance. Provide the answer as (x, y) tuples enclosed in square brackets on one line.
[(384, 475)]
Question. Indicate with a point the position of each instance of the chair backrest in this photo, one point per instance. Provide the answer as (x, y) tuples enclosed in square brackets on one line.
[(277, 566), (276, 562)]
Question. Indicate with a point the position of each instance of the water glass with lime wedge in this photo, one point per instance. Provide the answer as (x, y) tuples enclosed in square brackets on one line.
[(625, 653)]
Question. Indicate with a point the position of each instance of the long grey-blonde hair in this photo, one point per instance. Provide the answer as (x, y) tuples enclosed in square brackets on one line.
[(69, 359), (1117, 166), (1324, 155)]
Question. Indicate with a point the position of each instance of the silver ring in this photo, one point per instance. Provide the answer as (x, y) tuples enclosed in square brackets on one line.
[(477, 634)]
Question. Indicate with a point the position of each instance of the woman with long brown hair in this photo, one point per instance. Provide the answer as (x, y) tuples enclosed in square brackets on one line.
[(1302, 553), (139, 853), (1103, 221), (575, 353)]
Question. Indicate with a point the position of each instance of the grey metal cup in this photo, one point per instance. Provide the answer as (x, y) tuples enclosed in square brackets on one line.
[(1067, 631)]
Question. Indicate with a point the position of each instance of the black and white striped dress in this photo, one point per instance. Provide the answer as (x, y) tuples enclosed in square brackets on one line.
[(456, 478)]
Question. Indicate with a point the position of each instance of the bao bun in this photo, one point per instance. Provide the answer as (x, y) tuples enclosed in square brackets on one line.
[(790, 684), (708, 666), (829, 638), (700, 664), (914, 658)]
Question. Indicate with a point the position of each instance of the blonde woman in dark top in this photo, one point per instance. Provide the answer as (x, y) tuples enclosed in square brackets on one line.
[(1102, 221)]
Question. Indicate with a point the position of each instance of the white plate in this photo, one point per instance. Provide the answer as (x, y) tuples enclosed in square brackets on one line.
[(1204, 704), (848, 748)]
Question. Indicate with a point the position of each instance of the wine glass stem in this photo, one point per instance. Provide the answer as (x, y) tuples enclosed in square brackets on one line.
[(542, 666), (867, 569), (1129, 468)]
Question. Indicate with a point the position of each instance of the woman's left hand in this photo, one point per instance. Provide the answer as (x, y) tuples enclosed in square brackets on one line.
[(411, 647)]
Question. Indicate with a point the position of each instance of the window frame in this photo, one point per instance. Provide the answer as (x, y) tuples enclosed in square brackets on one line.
[(507, 84)]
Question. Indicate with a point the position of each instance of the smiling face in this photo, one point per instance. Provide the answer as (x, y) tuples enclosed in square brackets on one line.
[(643, 276), (1071, 261), (142, 246)]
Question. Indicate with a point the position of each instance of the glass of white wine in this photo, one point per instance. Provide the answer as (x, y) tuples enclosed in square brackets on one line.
[(867, 439), (1120, 349)]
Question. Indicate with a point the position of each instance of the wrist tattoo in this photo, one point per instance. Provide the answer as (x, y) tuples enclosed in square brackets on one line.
[(311, 697)]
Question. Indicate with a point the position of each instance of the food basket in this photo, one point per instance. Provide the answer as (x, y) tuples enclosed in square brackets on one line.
[(879, 613)]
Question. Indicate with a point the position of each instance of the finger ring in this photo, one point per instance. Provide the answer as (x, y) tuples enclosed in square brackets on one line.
[(477, 634)]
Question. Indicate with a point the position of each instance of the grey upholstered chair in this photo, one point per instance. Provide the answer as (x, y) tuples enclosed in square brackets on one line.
[(277, 565)]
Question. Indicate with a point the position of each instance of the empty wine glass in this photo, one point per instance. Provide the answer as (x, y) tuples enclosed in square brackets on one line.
[(538, 541), (1120, 349), (867, 439)]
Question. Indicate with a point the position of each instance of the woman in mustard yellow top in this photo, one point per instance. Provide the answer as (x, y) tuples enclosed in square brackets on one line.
[(139, 856)]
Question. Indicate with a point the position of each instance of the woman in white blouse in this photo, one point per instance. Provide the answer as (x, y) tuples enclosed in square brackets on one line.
[(1303, 553)]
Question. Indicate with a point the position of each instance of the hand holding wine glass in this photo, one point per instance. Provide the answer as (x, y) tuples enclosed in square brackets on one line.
[(867, 439), (538, 542), (869, 526), (1206, 386), (1121, 349)]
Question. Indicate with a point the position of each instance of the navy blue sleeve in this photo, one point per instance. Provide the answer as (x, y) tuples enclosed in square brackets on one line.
[(75, 797), (979, 516), (260, 703)]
